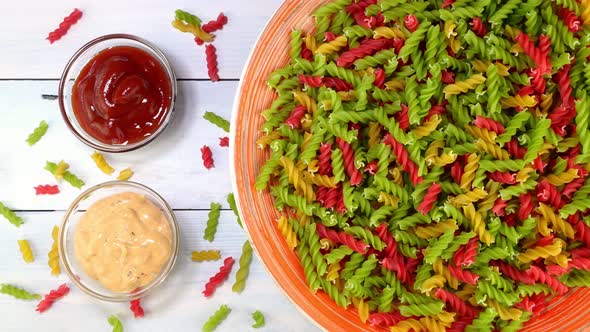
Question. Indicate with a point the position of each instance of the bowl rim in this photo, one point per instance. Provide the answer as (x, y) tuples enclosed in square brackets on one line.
[(154, 51), (65, 259)]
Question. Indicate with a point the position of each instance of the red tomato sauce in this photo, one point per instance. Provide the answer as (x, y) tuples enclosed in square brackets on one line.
[(122, 95)]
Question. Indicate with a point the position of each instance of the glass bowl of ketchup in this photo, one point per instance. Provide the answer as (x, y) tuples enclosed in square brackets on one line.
[(117, 93)]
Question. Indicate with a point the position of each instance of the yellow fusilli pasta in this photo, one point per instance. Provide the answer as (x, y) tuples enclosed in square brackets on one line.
[(53, 254), (287, 231), (463, 86), (25, 249), (332, 46), (102, 163)]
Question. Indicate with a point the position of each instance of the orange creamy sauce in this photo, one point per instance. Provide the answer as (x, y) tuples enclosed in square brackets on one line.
[(123, 241)]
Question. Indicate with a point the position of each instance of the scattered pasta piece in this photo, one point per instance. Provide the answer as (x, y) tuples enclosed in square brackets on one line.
[(212, 221), (102, 163), (18, 292), (53, 296), (38, 133), (216, 280), (67, 175), (10, 215), (207, 157), (212, 70), (232, 204), (46, 189), (258, 319), (244, 270), (136, 308), (64, 26), (25, 249), (217, 318), (53, 254), (115, 323), (125, 174), (205, 255), (224, 141), (217, 120)]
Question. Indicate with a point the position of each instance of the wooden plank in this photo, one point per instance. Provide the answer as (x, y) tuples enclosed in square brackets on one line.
[(171, 164), (23, 40), (178, 304)]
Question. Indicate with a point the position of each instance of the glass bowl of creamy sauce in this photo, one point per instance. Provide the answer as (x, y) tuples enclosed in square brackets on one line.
[(118, 241)]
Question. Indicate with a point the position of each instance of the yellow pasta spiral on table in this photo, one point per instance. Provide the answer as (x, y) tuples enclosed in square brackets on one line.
[(53, 254), (304, 143), (436, 229), (503, 312), (306, 122), (25, 249), (518, 101), (463, 86), (427, 127), (374, 134), (125, 174), (563, 177), (205, 255), (433, 150), (558, 224), (296, 178), (444, 159), (388, 199), (481, 133), (388, 32), (469, 197), (310, 43), (492, 149), (362, 307), (332, 46), (265, 140), (395, 85), (441, 269), (561, 260), (488, 202), (396, 176), (320, 180), (482, 67), (333, 272), (469, 171), (436, 281), (535, 253), (288, 233), (450, 36), (477, 223), (305, 100), (61, 168), (196, 30), (102, 163), (313, 166), (524, 174)]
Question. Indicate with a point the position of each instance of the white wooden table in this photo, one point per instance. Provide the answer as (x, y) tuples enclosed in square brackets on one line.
[(30, 66)]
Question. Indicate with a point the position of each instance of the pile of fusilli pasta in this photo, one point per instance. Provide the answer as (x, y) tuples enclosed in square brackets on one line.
[(430, 159)]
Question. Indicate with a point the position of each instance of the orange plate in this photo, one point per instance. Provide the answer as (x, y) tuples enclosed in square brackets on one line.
[(568, 313)]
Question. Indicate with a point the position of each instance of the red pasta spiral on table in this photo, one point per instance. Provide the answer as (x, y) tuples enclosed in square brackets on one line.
[(306, 53), (539, 275), (385, 319), (311, 81), (216, 280), (212, 70), (336, 84), (561, 117), (430, 198), (357, 10), (539, 57), (513, 273), (294, 119), (402, 117), (367, 47), (455, 302), (465, 276), (448, 77), (526, 206), (499, 207), (489, 124), (64, 26), (332, 197), (570, 188), (325, 159), (545, 46), (564, 86), (390, 244), (329, 36), (341, 237), (46, 189), (320, 195), (571, 20), (379, 78), (502, 177), (466, 254), (548, 193), (224, 141), (212, 26), (539, 164), (478, 27), (411, 22), (340, 206), (207, 157), (53, 296), (403, 158), (515, 149), (136, 308), (356, 177), (372, 167), (537, 80)]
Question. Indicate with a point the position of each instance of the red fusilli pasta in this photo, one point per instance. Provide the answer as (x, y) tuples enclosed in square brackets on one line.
[(348, 155), (489, 124), (325, 159), (478, 27), (207, 157), (46, 189), (64, 26), (136, 308), (465, 276), (403, 158), (294, 119), (216, 280), (341, 237), (502, 177), (53, 296), (212, 70), (224, 141), (367, 47), (455, 302), (411, 22), (430, 198)]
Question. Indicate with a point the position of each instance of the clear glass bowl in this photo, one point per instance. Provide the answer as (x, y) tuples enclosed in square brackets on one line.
[(66, 239), (80, 59)]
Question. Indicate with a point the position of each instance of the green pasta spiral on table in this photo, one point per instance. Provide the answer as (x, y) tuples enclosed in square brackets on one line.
[(10, 215), (258, 319), (115, 323), (38, 133), (216, 319), (212, 221), (18, 292), (243, 271), (217, 120)]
